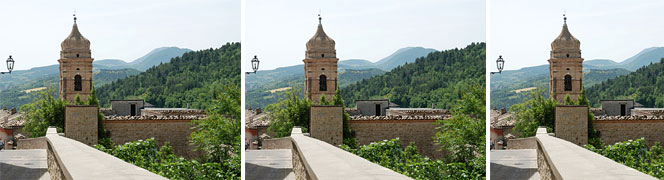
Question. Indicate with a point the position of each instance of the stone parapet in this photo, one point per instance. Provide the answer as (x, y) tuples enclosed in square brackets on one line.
[(315, 159), (70, 159), (560, 159), (522, 143)]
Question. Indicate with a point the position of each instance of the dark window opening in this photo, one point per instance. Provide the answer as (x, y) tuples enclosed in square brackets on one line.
[(322, 83), (378, 110), (77, 83), (623, 111), (322, 55), (567, 55), (77, 55), (568, 83), (133, 110)]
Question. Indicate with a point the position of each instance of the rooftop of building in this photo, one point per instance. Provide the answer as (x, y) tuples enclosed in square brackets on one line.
[(501, 118), (399, 117), (12, 120), (254, 120)]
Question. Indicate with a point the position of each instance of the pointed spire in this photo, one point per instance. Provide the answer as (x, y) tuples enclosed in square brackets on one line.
[(74, 17), (564, 18), (319, 19)]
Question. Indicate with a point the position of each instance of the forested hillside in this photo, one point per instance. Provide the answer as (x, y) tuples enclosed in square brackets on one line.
[(436, 78), (645, 85), (191, 79)]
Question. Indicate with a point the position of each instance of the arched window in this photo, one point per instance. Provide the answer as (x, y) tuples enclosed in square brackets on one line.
[(322, 82), (77, 83), (568, 83)]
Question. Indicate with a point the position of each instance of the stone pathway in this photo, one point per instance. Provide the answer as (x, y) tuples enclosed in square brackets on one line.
[(514, 164), (269, 164), (23, 164)]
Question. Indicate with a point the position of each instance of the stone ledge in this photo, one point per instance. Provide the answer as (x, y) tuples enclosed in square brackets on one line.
[(566, 160), (76, 160), (324, 161)]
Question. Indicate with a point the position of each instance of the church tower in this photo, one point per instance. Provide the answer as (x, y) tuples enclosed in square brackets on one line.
[(75, 66), (565, 66), (320, 66)]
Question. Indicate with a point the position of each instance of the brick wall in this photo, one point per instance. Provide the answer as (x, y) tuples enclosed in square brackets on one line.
[(421, 132), (572, 124), (326, 124), (174, 131), (81, 123), (612, 131)]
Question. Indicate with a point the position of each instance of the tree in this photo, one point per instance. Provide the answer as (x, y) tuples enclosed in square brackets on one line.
[(464, 134), (44, 111), (535, 111), (219, 134), (290, 111)]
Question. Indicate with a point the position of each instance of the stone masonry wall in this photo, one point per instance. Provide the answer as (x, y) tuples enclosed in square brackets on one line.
[(32, 143), (572, 124), (522, 143), (421, 132), (174, 131), (326, 124), (278, 143), (81, 123), (612, 131), (54, 169)]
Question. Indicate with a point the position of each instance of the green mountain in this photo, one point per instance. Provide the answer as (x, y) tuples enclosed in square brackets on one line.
[(24, 93), (154, 57), (403, 56), (191, 79), (400, 57), (645, 85), (508, 96), (511, 77), (269, 92), (437, 78)]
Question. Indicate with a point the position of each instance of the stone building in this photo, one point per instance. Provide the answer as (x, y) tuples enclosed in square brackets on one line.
[(75, 66), (127, 107), (565, 66), (617, 107), (320, 66), (375, 107)]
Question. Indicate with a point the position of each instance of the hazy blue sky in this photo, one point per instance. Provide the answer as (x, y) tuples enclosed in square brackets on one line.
[(121, 29), (277, 31), (522, 30)]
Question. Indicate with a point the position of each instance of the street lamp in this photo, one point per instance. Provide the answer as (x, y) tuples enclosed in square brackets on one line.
[(254, 64), (500, 63), (10, 65)]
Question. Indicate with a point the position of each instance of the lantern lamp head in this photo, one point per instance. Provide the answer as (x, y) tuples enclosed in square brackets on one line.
[(10, 63), (500, 63), (254, 63)]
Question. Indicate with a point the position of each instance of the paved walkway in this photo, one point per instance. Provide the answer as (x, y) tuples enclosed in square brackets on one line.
[(514, 164), (23, 164), (269, 164)]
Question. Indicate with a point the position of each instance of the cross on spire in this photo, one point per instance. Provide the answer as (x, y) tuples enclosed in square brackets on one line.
[(319, 18), (74, 16), (564, 16)]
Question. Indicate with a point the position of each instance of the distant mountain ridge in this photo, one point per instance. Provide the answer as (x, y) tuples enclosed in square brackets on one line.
[(154, 57), (643, 58), (398, 58)]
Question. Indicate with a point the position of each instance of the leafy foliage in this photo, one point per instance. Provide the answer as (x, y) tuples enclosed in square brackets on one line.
[(290, 111), (436, 78), (635, 154), (192, 79), (146, 154), (464, 134), (407, 161), (536, 111), (219, 134), (644, 86), (45, 111)]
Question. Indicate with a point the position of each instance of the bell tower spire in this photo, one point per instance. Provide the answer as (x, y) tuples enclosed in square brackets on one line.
[(75, 66), (565, 65), (320, 65)]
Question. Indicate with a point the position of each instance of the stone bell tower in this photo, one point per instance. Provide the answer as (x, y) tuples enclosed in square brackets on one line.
[(565, 66), (75, 66), (320, 66)]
